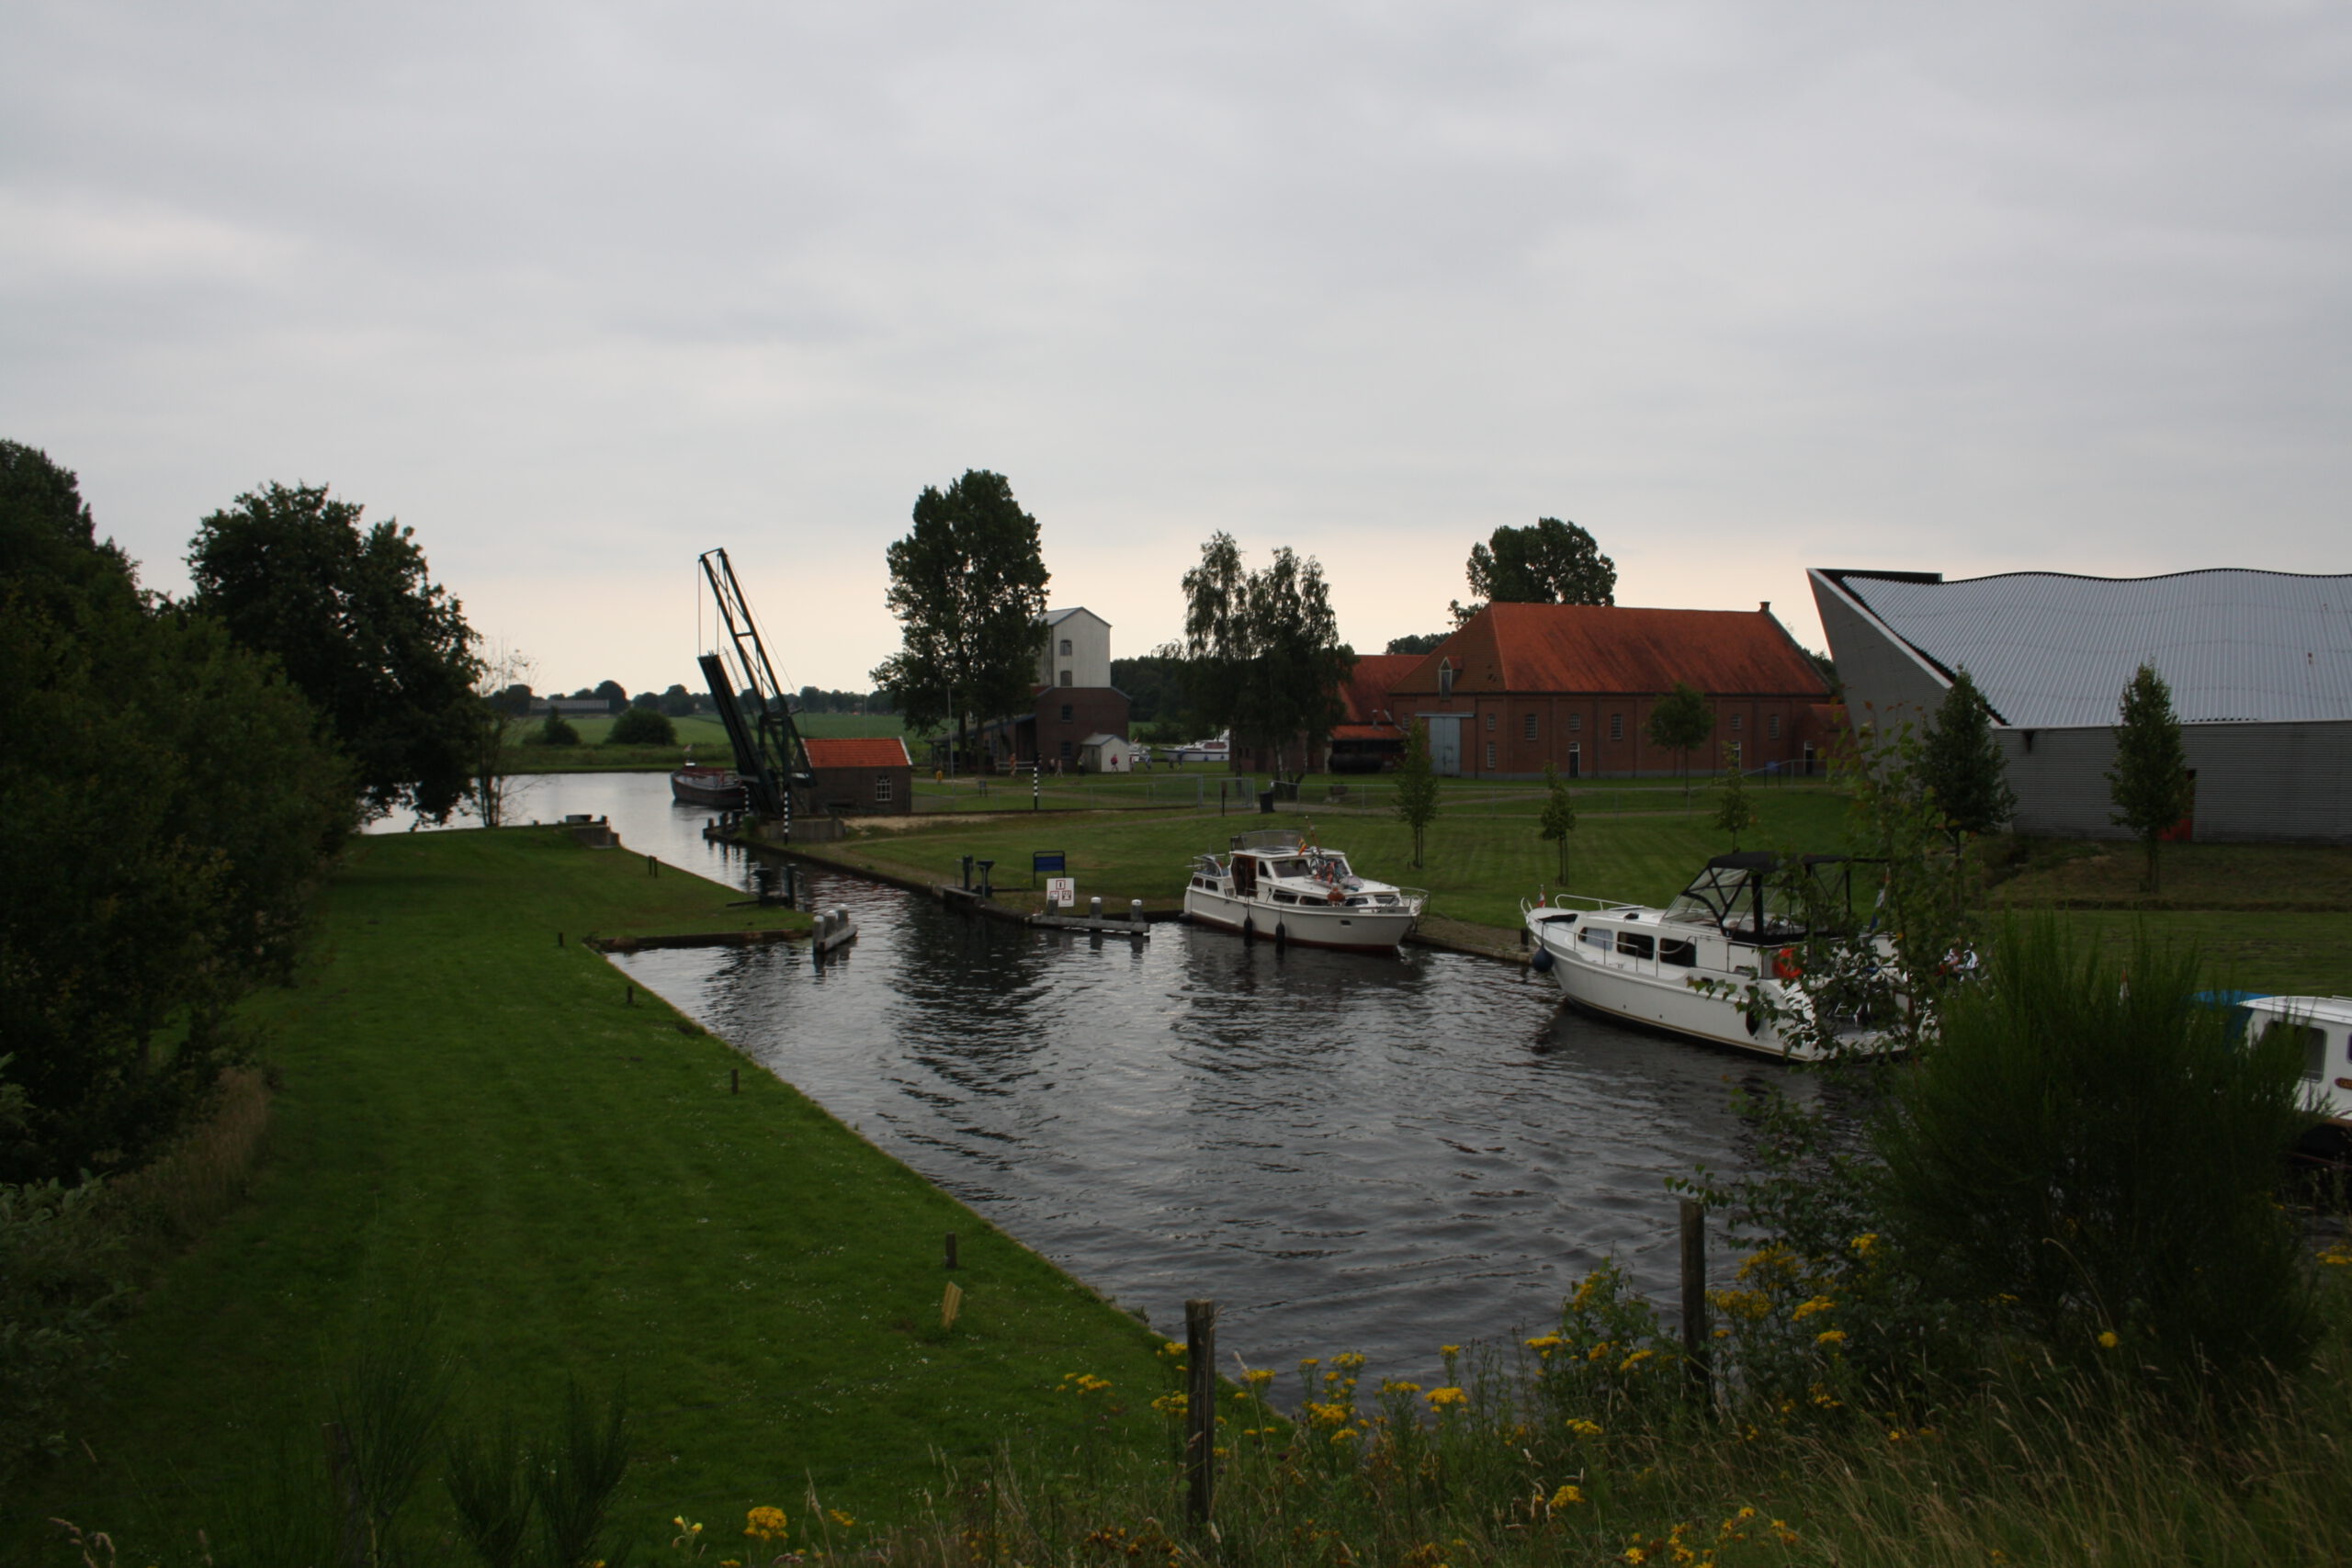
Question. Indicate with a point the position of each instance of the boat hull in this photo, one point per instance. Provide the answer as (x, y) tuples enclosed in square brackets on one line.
[(719, 788), (1302, 925)]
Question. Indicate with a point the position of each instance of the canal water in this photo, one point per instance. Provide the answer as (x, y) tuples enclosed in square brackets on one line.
[(1348, 1153)]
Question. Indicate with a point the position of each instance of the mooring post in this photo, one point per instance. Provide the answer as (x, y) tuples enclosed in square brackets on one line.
[(351, 1509), (1697, 1348), (559, 939), (652, 866), (629, 997), (1199, 1409), (951, 1249), (734, 1080)]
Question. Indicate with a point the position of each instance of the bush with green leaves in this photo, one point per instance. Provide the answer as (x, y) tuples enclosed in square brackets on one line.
[(642, 727), (57, 1281), (556, 731), (2086, 1159)]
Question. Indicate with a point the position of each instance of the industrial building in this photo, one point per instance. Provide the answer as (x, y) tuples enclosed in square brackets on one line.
[(2259, 663)]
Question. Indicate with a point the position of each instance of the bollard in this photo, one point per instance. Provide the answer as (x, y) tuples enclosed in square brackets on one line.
[(629, 997), (1696, 1346), (734, 1080), (1199, 1409), (1094, 908), (559, 939), (1134, 910), (951, 1249)]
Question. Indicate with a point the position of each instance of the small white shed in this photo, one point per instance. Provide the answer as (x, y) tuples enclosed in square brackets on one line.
[(1105, 754)]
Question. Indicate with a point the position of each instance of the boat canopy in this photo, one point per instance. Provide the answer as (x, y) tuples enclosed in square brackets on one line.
[(1755, 896), (1277, 840)]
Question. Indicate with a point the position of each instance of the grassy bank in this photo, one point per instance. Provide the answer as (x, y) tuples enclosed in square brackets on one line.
[(704, 733), (1484, 854), (2249, 909), (471, 1117)]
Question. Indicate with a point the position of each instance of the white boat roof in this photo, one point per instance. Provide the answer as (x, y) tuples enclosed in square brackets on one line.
[(2314, 1009)]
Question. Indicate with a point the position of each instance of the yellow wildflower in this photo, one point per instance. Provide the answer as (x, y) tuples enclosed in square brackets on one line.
[(844, 1520), (1258, 1377), (1584, 1429), (1399, 1385), (761, 1524), (2107, 1340), (1440, 1398), (1565, 1497), (1635, 1360), (1864, 1244), (1830, 1337), (1818, 1303)]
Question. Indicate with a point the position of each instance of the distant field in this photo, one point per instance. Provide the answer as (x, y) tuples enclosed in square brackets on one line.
[(701, 732)]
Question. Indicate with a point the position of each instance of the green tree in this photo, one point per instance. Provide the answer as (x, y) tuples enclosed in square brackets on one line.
[(506, 696), (967, 584), (1425, 642), (360, 628), (1680, 723), (2076, 1158), (677, 701), (1417, 787), (166, 805), (1559, 818), (554, 731), (2149, 783), (642, 727), (1963, 765), (1550, 563), (1262, 650), (1735, 813)]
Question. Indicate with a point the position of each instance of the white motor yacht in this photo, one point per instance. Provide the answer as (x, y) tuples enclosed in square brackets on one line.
[(1733, 926), (1274, 884)]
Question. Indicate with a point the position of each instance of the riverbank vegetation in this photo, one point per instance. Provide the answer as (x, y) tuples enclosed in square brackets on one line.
[(485, 1144)]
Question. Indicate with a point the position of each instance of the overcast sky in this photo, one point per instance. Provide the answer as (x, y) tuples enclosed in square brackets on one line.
[(579, 290)]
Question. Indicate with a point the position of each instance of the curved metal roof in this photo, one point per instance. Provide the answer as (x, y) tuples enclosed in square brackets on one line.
[(2051, 649)]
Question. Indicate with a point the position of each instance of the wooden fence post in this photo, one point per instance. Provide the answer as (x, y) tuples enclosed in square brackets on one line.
[(1199, 1409), (1697, 1344), (951, 1249), (351, 1509)]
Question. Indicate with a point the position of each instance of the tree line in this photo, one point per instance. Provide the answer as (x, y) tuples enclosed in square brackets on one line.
[(179, 774)]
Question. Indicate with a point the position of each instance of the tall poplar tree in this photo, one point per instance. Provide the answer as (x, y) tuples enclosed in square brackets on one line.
[(1680, 723), (967, 584), (2149, 783), (1417, 787), (1964, 771)]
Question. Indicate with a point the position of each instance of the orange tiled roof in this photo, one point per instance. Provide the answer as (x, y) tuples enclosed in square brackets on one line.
[(858, 751), (1365, 692), (1600, 648)]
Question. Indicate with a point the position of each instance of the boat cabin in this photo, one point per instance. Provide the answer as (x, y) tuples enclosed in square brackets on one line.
[(1276, 865), (1746, 897)]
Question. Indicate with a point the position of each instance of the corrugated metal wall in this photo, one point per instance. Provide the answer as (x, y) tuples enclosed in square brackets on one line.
[(2289, 782)]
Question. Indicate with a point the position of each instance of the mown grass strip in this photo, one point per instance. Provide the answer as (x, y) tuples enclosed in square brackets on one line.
[(472, 1117)]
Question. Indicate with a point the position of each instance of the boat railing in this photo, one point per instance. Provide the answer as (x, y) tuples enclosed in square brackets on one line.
[(1269, 839), (1580, 900)]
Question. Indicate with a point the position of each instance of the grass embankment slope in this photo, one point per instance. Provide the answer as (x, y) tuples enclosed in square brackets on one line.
[(471, 1116)]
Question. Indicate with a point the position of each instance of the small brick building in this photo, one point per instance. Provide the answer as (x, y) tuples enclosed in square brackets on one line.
[(866, 773)]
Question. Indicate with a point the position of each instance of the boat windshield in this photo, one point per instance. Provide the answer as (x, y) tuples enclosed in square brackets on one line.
[(1332, 864), (1752, 896)]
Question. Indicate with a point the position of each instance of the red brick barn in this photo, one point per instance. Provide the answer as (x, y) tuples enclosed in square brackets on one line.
[(1573, 685)]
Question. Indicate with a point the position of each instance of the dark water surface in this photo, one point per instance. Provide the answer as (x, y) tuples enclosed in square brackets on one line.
[(1348, 1153)]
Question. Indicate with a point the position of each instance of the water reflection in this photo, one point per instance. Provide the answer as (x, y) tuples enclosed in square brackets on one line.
[(1348, 1153)]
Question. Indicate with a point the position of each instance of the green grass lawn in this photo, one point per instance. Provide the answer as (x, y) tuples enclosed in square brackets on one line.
[(1484, 853), (472, 1117)]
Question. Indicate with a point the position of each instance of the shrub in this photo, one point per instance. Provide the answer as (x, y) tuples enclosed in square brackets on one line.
[(556, 731), (642, 727), (2085, 1158), (57, 1283)]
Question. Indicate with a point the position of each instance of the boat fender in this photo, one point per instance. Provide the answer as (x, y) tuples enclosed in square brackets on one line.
[(1249, 928), (1281, 936), (1542, 962), (1755, 1023), (1785, 966)]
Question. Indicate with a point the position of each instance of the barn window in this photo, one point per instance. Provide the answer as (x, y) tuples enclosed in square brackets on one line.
[(1065, 647), (1066, 749), (1066, 678), (1531, 728), (1734, 724), (1575, 724), (1772, 726), (1066, 710), (1491, 755), (882, 789), (1444, 679), (1490, 724), (1616, 726)]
